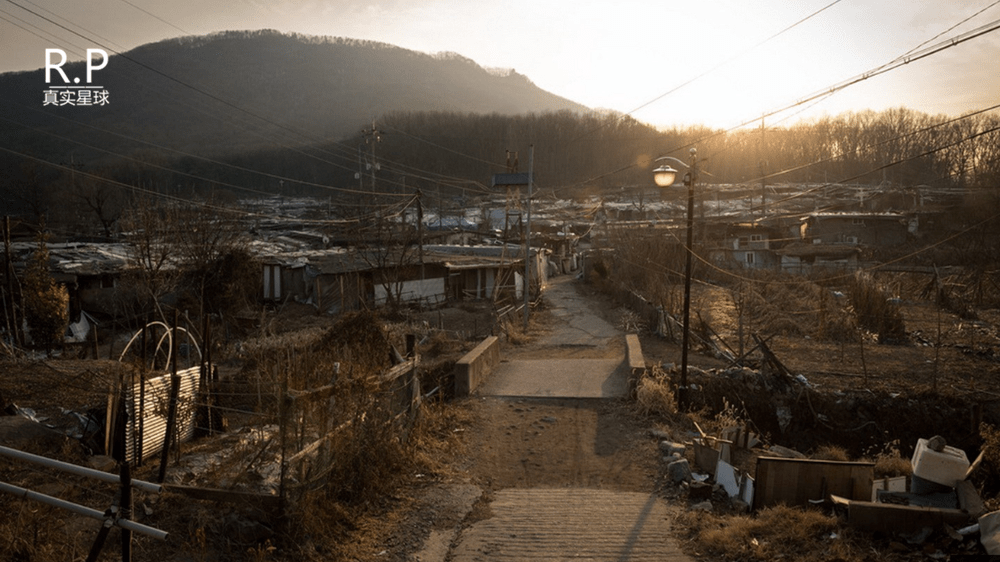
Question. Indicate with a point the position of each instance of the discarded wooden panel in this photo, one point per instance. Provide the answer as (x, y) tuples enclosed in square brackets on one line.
[(705, 457), (897, 484), (897, 519), (740, 437), (797, 481), (974, 466), (969, 499), (263, 501)]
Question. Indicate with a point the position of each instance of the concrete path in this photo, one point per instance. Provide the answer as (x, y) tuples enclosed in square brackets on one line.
[(580, 325), (571, 524), (558, 378), (562, 524)]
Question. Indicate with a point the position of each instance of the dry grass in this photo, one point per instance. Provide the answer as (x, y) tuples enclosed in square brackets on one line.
[(772, 534), (875, 310), (654, 396), (889, 462), (830, 453)]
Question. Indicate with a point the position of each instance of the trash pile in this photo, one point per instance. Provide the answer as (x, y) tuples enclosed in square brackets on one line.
[(936, 509)]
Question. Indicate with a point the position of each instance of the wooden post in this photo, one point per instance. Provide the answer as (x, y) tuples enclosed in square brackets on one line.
[(125, 511), (175, 386), (93, 331), (209, 379), (283, 403), (9, 274), (864, 367), (142, 396), (102, 535), (319, 297)]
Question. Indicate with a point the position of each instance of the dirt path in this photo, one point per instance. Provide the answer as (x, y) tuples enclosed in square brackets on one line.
[(559, 478)]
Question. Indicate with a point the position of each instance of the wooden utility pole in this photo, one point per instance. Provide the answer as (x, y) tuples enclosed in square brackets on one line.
[(763, 178), (13, 325), (420, 235), (175, 387), (527, 240)]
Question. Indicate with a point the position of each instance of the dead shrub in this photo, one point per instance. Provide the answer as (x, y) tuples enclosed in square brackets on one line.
[(830, 453), (875, 310), (988, 475), (773, 533), (654, 395), (889, 461)]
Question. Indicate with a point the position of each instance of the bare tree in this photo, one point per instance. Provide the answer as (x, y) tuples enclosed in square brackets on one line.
[(147, 225)]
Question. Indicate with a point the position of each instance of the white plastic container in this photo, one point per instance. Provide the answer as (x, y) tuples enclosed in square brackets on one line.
[(947, 468)]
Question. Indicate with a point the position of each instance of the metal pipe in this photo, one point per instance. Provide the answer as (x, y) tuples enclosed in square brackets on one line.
[(81, 510), (78, 470)]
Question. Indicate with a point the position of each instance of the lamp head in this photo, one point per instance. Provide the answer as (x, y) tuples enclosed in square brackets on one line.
[(664, 176)]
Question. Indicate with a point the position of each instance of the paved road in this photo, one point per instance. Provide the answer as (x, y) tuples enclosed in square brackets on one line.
[(571, 524), (558, 378), (578, 326), (567, 523)]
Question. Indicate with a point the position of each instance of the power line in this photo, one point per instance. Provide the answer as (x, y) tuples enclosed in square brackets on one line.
[(25, 22), (186, 154), (892, 65), (717, 66), (734, 57), (181, 200), (427, 175), (151, 14)]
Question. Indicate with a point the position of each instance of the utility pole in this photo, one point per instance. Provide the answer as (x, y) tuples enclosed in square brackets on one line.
[(527, 238), (13, 327), (420, 235), (763, 178), (372, 136)]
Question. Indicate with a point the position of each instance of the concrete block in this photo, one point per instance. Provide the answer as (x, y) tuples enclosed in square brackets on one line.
[(669, 447), (679, 471)]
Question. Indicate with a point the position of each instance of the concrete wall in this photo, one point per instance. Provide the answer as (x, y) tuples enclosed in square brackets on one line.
[(472, 369), (636, 362)]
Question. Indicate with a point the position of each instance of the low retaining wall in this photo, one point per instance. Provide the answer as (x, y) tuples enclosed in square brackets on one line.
[(472, 369), (636, 362)]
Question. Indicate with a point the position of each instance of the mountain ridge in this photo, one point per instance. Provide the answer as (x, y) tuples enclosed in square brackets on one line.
[(238, 90)]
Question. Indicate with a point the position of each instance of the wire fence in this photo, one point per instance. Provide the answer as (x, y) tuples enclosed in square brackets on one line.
[(301, 421)]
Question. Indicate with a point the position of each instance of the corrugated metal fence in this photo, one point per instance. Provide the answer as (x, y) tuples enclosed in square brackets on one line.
[(146, 432)]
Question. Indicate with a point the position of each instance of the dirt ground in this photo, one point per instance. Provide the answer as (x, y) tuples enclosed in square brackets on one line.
[(484, 445)]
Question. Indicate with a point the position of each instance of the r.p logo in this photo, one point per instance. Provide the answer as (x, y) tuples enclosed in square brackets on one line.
[(57, 66)]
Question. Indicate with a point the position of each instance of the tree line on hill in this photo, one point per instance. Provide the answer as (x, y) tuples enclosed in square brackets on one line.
[(453, 156)]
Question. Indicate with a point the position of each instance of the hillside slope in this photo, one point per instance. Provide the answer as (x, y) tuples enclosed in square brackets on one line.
[(235, 90)]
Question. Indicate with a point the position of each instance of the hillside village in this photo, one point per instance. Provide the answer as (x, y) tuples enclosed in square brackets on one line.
[(266, 331), (472, 256)]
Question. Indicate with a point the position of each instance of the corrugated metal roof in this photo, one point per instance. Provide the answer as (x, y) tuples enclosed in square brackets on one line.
[(520, 178)]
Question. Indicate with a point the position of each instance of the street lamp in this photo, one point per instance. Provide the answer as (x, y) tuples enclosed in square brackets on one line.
[(664, 176)]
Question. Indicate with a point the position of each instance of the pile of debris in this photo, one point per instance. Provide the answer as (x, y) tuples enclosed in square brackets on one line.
[(936, 509)]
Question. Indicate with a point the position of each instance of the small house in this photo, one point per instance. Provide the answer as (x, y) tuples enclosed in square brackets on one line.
[(867, 229)]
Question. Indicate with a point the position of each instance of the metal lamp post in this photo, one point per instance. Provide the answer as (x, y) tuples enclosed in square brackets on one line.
[(664, 176)]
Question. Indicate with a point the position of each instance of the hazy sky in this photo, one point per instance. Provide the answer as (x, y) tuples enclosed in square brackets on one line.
[(618, 54)]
